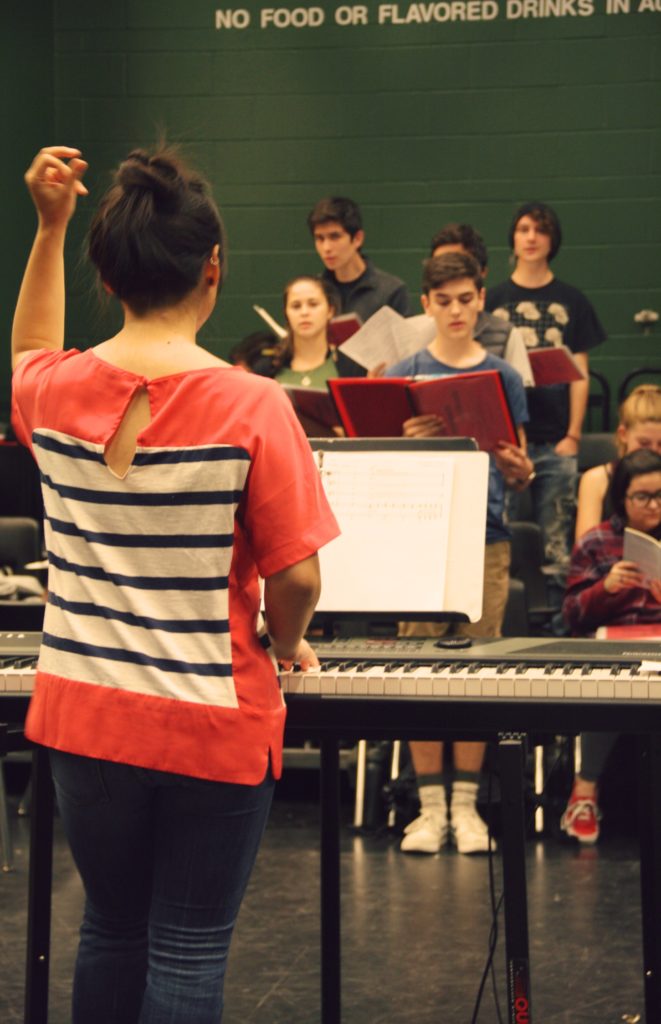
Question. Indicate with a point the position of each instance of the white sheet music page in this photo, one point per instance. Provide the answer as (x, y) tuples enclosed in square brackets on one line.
[(387, 337), (394, 513)]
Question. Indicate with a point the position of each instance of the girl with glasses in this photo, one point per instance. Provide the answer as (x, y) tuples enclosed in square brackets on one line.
[(604, 588)]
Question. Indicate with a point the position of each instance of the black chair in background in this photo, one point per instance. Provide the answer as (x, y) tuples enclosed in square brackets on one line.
[(527, 566), (643, 371), (515, 619), (595, 450), (598, 412), (19, 542)]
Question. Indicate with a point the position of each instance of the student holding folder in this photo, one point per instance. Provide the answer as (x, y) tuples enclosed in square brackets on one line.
[(453, 296)]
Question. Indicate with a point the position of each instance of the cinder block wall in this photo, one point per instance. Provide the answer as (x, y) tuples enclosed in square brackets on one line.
[(420, 123)]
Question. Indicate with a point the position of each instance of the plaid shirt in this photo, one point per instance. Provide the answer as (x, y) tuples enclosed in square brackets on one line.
[(588, 605)]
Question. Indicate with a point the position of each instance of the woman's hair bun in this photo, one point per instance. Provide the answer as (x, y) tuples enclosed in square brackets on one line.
[(154, 231), (158, 175)]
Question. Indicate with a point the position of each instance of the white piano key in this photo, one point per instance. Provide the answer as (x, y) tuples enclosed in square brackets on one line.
[(393, 685), (640, 689), (654, 689), (311, 681), (606, 689), (457, 686), (623, 689)]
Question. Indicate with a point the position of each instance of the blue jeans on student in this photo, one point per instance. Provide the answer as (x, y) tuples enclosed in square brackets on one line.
[(553, 497), (165, 860)]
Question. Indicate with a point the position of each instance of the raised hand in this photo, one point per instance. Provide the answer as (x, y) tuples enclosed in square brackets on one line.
[(54, 182)]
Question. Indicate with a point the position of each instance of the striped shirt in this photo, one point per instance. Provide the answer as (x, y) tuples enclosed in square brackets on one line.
[(152, 651)]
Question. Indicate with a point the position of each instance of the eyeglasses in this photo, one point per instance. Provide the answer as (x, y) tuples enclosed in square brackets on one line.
[(643, 498)]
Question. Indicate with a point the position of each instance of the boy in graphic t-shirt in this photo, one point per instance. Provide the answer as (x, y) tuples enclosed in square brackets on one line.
[(549, 313)]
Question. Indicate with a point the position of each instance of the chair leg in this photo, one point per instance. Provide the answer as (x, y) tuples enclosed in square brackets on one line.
[(359, 807), (6, 845)]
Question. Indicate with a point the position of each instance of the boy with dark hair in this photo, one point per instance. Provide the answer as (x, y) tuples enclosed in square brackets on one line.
[(336, 225), (495, 334), (454, 297), (549, 313)]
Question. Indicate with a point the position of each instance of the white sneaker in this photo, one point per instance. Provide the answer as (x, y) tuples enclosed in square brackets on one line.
[(469, 831), (426, 834)]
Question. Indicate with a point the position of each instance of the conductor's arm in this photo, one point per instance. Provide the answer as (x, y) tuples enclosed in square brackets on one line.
[(290, 597), (54, 182)]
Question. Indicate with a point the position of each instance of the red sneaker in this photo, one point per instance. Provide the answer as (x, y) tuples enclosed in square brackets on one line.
[(581, 819)]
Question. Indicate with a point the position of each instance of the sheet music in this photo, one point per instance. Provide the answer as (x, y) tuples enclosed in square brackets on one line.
[(394, 513), (387, 337)]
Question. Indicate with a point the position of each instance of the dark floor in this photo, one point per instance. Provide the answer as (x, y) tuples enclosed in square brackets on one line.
[(415, 931)]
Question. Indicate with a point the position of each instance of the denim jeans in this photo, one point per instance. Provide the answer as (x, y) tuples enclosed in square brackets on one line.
[(165, 860), (553, 497)]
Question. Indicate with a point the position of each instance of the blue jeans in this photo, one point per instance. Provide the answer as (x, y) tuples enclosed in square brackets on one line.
[(553, 497), (165, 860)]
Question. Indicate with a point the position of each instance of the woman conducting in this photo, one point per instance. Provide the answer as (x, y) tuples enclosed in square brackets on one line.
[(171, 481)]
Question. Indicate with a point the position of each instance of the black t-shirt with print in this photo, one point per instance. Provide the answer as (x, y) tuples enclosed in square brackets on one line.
[(556, 314)]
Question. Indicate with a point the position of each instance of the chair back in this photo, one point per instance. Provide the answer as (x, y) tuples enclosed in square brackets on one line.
[(19, 542)]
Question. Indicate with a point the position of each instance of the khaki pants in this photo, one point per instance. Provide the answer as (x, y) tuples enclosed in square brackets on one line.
[(494, 600)]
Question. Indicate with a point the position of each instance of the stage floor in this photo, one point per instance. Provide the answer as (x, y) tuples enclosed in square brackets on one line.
[(415, 931)]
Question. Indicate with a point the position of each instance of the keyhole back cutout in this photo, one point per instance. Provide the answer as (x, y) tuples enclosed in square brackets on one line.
[(119, 451)]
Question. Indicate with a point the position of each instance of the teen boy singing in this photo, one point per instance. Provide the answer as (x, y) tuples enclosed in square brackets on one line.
[(453, 296)]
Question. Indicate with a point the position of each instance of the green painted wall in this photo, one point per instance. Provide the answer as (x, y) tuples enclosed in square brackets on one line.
[(27, 106), (420, 123)]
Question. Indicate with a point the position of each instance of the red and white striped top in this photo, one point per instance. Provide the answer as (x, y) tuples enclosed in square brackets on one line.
[(152, 651)]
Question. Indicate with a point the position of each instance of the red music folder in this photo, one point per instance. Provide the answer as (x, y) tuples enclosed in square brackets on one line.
[(553, 365), (315, 410), (343, 327), (470, 404)]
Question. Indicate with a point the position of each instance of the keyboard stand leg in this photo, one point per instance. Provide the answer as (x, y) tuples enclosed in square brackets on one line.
[(649, 830), (511, 761), (330, 881), (39, 896)]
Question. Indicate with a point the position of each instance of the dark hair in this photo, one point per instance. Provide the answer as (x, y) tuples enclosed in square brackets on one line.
[(450, 266), (336, 208), (627, 469), (286, 347), (547, 220), (154, 230), (256, 352), (467, 237)]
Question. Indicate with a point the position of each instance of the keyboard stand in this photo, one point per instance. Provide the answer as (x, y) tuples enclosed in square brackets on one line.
[(39, 891), (649, 832), (511, 760)]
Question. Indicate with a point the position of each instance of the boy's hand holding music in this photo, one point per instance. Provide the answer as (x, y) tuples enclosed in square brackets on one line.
[(514, 464), (424, 426)]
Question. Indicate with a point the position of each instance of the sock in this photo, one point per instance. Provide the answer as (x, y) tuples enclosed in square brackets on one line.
[(433, 800), (464, 794)]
